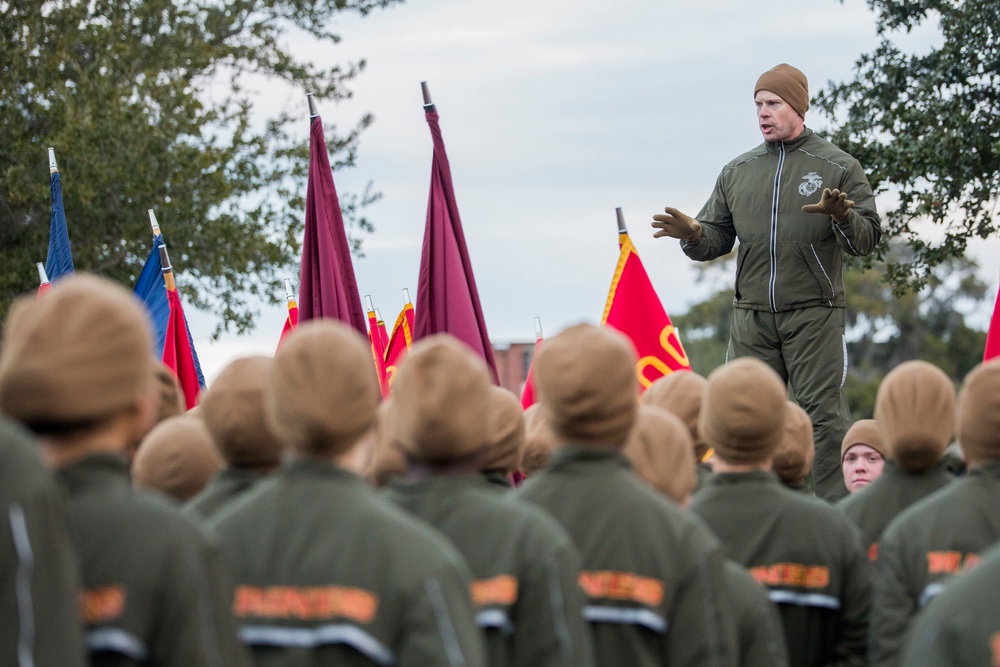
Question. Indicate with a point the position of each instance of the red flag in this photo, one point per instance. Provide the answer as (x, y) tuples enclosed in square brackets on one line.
[(327, 287), (528, 393), (382, 333), (634, 309), (446, 292), (378, 350), (993, 335), (292, 320), (399, 342), (43, 280), (176, 346)]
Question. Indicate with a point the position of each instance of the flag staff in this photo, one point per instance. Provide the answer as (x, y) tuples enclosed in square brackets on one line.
[(42, 276), (289, 294), (153, 223), (406, 297), (428, 105), (538, 327), (313, 112), (622, 229), (53, 167)]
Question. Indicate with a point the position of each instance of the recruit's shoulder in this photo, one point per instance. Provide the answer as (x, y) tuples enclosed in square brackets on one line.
[(21, 467)]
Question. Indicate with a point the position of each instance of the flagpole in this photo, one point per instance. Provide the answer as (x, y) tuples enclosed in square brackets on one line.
[(622, 229), (153, 223), (428, 104), (406, 297), (538, 328), (53, 167), (168, 271), (42, 276), (289, 294), (313, 111)]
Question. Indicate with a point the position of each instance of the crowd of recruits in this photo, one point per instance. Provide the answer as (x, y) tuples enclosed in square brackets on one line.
[(289, 557)]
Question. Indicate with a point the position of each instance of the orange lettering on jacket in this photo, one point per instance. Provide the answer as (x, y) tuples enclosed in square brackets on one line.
[(792, 574), (499, 590), (622, 586), (949, 562), (873, 552), (100, 605), (318, 602)]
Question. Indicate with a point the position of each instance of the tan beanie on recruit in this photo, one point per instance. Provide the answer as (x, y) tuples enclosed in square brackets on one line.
[(915, 411), (979, 413), (322, 392), (539, 441), (789, 84), (864, 432), (176, 458), (681, 393), (441, 400), (587, 385), (233, 410), (743, 413), (661, 452), (81, 352), (507, 432), (794, 457)]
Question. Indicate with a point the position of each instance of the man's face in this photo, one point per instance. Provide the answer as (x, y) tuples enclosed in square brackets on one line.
[(777, 119)]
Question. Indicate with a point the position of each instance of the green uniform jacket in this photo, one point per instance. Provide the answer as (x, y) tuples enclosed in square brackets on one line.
[(939, 536), (652, 574), (960, 627), (525, 567), (153, 582), (876, 505), (787, 259), (329, 573), (808, 555), (759, 633), (39, 576), (226, 485)]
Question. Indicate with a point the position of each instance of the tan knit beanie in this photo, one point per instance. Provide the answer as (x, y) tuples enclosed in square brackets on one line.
[(507, 432), (176, 458), (743, 413), (441, 400), (387, 457), (661, 452), (864, 432), (586, 383), (681, 393), (789, 84), (233, 410), (794, 457), (82, 351), (915, 410), (539, 441), (979, 413), (171, 394), (322, 392)]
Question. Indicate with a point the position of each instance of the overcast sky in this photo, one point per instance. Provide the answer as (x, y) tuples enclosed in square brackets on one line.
[(553, 113)]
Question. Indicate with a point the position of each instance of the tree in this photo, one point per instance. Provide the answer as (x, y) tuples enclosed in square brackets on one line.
[(145, 103), (883, 330), (927, 127)]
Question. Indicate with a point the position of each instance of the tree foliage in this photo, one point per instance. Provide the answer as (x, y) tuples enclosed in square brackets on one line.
[(145, 102), (883, 330), (927, 126)]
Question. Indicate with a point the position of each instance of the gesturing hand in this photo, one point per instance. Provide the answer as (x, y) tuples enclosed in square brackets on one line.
[(833, 203), (675, 224)]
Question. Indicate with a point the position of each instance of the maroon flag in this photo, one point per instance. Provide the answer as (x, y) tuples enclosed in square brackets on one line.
[(528, 393), (327, 287), (447, 299), (993, 334)]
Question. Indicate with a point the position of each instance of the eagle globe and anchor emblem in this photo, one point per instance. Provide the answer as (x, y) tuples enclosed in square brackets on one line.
[(810, 184)]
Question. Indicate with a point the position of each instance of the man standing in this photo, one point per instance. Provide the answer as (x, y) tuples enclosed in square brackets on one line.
[(789, 302)]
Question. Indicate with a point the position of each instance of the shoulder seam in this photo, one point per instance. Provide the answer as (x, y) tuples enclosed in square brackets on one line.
[(825, 159)]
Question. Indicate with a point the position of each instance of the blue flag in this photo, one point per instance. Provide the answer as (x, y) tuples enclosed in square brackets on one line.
[(153, 291), (59, 261)]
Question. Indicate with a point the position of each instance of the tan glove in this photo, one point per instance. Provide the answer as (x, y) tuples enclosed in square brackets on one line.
[(833, 203), (675, 224)]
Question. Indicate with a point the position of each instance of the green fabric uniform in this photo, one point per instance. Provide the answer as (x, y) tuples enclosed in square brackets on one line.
[(939, 536), (329, 573), (876, 505), (227, 484), (498, 480), (652, 574), (39, 576), (961, 626), (153, 582), (525, 593), (789, 285), (808, 555), (759, 634)]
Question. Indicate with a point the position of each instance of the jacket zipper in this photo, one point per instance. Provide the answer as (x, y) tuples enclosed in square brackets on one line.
[(774, 228)]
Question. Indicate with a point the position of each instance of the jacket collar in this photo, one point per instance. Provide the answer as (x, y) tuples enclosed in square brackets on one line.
[(794, 144)]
